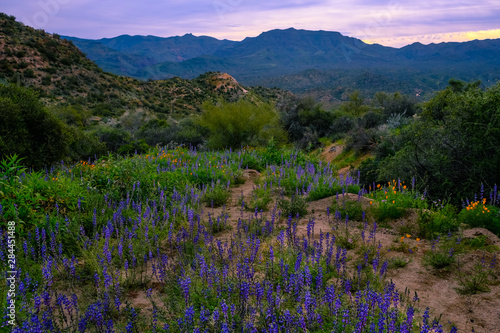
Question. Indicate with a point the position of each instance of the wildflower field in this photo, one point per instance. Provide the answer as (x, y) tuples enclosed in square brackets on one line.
[(255, 240)]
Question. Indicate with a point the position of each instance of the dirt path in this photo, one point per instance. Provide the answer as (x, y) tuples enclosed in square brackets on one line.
[(331, 152)]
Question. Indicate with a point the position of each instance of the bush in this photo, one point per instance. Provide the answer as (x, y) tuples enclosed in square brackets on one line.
[(296, 206), (480, 215), (453, 146), (29, 130), (322, 190), (387, 211), (432, 224), (250, 161), (350, 209), (260, 200), (112, 137), (239, 124), (216, 196), (371, 119), (342, 125), (439, 259)]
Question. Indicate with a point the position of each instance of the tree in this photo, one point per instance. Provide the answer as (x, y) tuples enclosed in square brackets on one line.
[(29, 130), (240, 124), (300, 116), (355, 106), (454, 147)]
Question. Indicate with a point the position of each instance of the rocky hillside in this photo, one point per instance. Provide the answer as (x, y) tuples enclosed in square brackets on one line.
[(62, 74)]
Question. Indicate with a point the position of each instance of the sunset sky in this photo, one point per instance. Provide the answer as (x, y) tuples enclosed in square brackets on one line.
[(390, 23)]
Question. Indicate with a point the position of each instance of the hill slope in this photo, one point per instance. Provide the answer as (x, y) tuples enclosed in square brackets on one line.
[(61, 73)]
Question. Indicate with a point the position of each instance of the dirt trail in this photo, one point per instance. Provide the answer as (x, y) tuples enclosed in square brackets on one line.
[(331, 152)]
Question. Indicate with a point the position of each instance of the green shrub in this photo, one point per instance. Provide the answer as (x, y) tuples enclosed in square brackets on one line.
[(260, 200), (29, 130), (325, 190), (439, 259), (481, 215), (350, 209), (474, 282), (466, 118), (387, 211), (112, 137), (250, 161), (296, 206), (398, 262), (34, 195), (216, 196), (432, 224), (239, 124)]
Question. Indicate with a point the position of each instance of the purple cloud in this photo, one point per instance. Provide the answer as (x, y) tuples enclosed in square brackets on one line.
[(237, 19)]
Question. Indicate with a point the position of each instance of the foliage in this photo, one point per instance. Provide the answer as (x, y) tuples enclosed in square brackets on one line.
[(239, 124), (398, 262), (474, 282), (479, 214), (74, 115), (304, 120), (355, 106), (431, 224), (453, 146), (396, 104), (112, 137), (387, 211), (439, 259), (215, 195), (296, 206), (260, 200), (29, 130), (347, 209)]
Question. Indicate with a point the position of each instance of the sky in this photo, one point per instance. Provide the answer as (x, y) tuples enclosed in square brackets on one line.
[(391, 23)]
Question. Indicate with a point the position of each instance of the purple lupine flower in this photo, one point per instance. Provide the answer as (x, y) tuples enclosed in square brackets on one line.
[(381, 323), (224, 308), (319, 279), (383, 270), (409, 316), (425, 325), (185, 283), (215, 315), (189, 315), (298, 261), (281, 238)]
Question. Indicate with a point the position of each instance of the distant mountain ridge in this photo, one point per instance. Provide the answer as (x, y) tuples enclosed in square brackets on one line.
[(275, 56)]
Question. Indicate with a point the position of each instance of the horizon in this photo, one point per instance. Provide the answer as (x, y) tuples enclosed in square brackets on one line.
[(480, 36), (386, 22)]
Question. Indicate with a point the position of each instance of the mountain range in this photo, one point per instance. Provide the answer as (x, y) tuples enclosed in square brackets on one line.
[(62, 75), (325, 64)]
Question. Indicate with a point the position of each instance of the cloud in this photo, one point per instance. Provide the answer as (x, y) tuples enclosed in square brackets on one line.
[(437, 38), (382, 20)]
